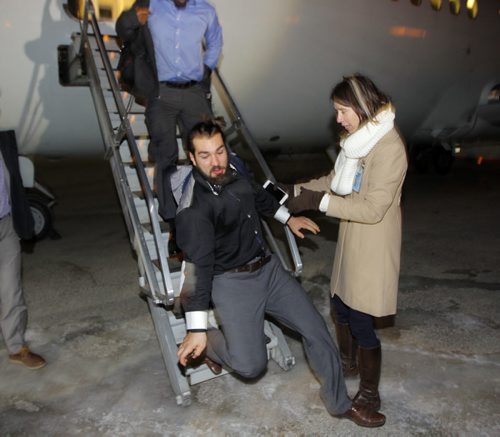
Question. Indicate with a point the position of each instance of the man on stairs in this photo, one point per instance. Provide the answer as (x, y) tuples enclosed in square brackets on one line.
[(172, 74)]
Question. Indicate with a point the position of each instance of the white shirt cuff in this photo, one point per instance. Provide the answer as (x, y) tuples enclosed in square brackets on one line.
[(325, 201), (196, 320), (282, 215)]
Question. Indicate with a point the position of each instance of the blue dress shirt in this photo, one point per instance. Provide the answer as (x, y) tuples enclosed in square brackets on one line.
[(178, 37)]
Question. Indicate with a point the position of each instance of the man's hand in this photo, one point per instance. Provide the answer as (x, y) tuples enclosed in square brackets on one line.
[(193, 345), (298, 223), (142, 14)]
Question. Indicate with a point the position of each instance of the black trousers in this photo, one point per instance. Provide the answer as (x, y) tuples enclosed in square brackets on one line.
[(361, 324), (182, 106)]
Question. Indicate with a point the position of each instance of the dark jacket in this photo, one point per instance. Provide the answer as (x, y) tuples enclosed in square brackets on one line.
[(20, 208), (218, 229), (139, 37)]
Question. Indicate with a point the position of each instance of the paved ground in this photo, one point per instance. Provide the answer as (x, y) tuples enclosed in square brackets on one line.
[(105, 377)]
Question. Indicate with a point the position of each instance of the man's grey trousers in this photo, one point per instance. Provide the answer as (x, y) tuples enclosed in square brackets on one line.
[(13, 311), (242, 299)]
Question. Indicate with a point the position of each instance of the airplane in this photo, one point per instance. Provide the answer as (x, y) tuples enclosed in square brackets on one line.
[(437, 59)]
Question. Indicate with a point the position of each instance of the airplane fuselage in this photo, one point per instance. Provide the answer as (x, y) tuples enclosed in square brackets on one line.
[(280, 61)]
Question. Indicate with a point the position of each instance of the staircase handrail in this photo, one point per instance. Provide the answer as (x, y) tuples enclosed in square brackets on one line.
[(126, 130), (240, 125)]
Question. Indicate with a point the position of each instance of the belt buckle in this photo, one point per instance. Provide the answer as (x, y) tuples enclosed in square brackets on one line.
[(255, 265), (251, 267), (258, 264), (182, 85)]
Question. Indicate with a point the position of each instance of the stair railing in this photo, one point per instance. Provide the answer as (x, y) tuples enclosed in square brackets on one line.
[(161, 293)]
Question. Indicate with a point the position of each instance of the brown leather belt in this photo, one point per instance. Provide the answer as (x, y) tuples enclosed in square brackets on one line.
[(251, 267), (180, 85)]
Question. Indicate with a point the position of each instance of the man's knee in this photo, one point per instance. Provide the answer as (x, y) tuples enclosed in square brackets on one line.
[(251, 367)]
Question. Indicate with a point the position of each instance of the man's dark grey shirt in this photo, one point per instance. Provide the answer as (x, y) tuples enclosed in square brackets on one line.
[(218, 229)]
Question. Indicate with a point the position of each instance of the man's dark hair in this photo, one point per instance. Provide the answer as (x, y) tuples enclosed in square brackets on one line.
[(204, 129)]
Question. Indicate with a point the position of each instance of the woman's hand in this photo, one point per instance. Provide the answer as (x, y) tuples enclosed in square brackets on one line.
[(306, 200), (298, 223)]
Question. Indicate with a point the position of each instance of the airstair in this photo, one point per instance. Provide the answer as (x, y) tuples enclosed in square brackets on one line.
[(91, 61)]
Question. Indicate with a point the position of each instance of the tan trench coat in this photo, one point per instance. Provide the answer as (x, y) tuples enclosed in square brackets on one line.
[(367, 258)]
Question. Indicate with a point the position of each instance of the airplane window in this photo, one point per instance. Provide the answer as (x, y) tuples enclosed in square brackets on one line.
[(437, 4), (455, 6), (472, 8), (105, 13)]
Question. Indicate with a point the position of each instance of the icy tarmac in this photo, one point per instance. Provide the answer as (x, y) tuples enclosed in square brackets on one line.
[(105, 375)]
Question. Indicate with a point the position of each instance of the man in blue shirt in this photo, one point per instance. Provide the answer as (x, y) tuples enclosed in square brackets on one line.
[(13, 311), (173, 76)]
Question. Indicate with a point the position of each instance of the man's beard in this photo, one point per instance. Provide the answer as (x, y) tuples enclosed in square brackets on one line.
[(221, 179), (180, 5)]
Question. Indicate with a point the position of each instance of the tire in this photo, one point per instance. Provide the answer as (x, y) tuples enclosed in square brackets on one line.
[(420, 157), (41, 216), (443, 160)]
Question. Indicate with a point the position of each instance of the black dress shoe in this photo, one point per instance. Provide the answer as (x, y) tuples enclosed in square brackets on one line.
[(173, 250)]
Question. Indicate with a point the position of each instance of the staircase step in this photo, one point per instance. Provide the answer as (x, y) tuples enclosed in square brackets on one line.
[(110, 42)]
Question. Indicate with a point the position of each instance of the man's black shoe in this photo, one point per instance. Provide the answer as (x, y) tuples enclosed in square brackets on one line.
[(173, 250)]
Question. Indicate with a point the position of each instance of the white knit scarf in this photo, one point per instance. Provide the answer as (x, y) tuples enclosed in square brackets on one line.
[(357, 145)]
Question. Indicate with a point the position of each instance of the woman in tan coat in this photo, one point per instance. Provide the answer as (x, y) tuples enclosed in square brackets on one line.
[(364, 192)]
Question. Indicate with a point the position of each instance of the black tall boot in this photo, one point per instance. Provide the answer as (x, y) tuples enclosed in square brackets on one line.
[(369, 361), (348, 349)]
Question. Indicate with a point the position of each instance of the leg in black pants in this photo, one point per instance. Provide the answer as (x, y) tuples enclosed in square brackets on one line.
[(187, 106), (369, 354), (361, 324)]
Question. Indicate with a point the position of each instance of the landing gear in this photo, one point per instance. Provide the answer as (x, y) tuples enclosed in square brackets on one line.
[(40, 205), (427, 157), (41, 216), (420, 157)]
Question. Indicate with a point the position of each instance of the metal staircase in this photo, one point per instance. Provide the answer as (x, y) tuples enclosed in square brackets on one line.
[(91, 60)]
